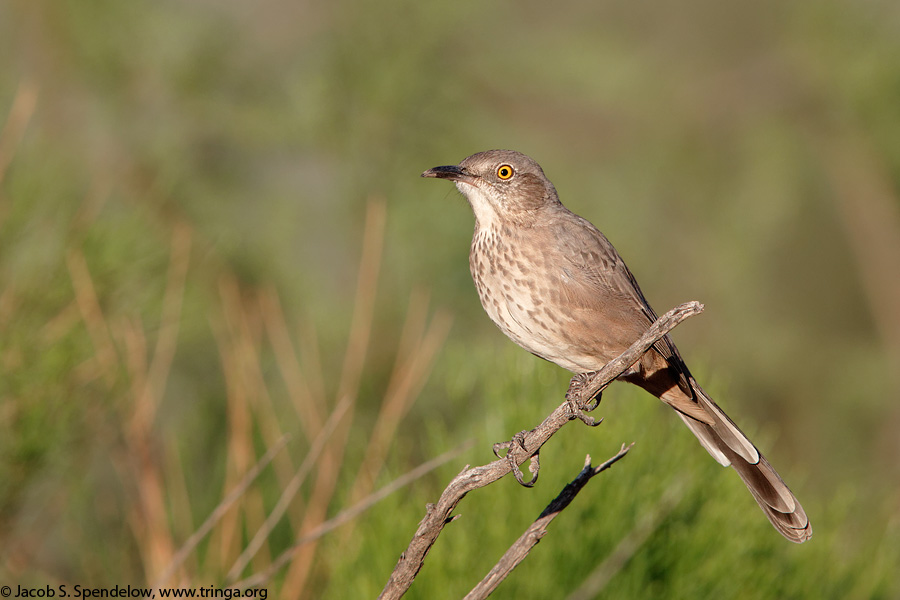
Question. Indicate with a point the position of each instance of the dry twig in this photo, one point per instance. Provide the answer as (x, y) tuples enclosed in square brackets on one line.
[(528, 540)]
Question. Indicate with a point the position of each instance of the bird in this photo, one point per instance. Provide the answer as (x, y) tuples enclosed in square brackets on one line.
[(556, 286)]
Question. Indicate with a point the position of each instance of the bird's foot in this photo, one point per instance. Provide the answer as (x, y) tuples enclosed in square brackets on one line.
[(515, 447), (578, 404)]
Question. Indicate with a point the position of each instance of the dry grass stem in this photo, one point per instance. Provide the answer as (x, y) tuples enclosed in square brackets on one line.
[(17, 120), (289, 491), (238, 343), (348, 387), (147, 516), (870, 212), (57, 327), (173, 299), (8, 304), (218, 513), (148, 377), (415, 359), (179, 500), (308, 410), (349, 514), (92, 316)]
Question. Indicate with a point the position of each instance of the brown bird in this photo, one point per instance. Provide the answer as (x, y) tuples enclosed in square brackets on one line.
[(557, 287)]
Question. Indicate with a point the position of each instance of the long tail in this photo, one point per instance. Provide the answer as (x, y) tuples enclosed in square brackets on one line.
[(729, 446)]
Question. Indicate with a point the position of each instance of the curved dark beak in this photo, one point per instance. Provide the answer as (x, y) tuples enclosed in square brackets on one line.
[(451, 172)]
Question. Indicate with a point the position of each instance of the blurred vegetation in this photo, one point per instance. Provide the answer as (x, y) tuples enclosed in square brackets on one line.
[(212, 230)]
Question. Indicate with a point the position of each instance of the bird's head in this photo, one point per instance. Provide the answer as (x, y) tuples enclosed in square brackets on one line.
[(500, 183)]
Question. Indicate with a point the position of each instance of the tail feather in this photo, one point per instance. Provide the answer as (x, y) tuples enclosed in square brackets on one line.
[(729, 446)]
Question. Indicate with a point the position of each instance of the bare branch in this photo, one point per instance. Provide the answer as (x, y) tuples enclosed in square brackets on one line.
[(528, 540), (438, 515), (629, 545)]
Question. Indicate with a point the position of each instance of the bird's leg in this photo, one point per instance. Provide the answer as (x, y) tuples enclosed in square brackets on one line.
[(578, 404), (512, 448)]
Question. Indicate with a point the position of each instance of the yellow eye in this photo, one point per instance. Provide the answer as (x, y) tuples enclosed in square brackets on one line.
[(504, 172)]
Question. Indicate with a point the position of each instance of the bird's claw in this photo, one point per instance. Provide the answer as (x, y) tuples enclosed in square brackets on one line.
[(578, 404), (513, 447)]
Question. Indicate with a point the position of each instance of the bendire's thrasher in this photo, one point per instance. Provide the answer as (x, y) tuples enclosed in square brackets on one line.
[(556, 286)]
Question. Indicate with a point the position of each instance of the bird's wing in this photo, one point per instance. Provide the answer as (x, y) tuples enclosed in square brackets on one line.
[(603, 285), (597, 275)]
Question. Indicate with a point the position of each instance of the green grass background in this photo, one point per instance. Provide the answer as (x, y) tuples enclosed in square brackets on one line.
[(188, 191)]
